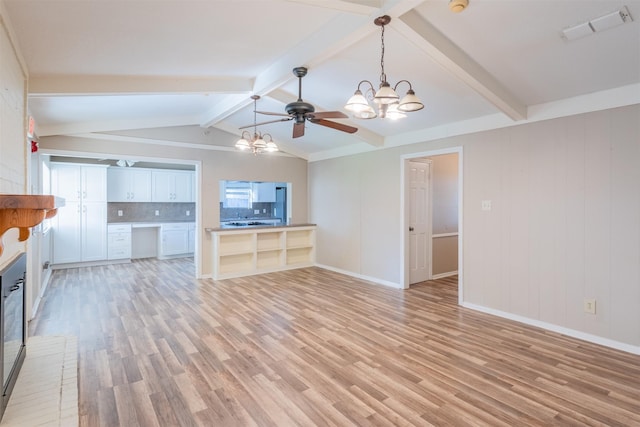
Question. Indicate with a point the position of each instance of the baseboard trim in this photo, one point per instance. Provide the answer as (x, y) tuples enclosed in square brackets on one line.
[(90, 263), (361, 276), (443, 275), (559, 329), (36, 304)]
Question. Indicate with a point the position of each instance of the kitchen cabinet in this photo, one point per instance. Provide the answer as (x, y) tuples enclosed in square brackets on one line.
[(245, 252), (192, 238), (194, 196), (171, 186), (174, 239), (128, 185), (80, 227), (118, 241), (263, 192)]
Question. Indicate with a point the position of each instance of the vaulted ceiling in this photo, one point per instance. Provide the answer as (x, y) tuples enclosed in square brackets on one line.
[(184, 70)]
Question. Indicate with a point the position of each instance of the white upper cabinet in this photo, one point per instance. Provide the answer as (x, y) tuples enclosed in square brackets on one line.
[(93, 184), (172, 186), (263, 192), (66, 181), (128, 185), (74, 182)]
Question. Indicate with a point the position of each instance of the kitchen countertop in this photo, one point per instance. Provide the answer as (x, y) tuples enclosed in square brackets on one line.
[(253, 227), (149, 223), (253, 218)]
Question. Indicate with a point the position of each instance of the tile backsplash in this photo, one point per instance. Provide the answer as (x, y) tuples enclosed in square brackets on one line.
[(146, 212), (242, 213)]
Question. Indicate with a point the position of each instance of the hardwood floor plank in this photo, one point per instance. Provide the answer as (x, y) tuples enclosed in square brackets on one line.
[(126, 412), (141, 402), (311, 347), (107, 408)]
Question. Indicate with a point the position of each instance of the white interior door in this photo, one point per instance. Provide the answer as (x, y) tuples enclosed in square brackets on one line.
[(419, 221)]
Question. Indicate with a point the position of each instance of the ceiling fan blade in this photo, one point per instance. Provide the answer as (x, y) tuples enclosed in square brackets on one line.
[(298, 129), (328, 115), (334, 125), (270, 113), (265, 123)]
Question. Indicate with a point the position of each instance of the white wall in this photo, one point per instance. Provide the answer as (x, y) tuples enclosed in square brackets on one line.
[(13, 170), (355, 202), (564, 223), (216, 165), (444, 210)]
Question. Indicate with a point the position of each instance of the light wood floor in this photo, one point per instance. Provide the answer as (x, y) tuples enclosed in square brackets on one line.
[(312, 347)]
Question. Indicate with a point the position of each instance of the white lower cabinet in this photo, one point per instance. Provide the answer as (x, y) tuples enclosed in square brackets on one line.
[(253, 251), (174, 239), (79, 227), (192, 238), (119, 241), (80, 233)]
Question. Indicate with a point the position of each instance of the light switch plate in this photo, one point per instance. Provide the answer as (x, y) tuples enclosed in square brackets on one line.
[(590, 305)]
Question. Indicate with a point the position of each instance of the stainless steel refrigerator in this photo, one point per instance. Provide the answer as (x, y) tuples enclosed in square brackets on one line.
[(280, 206)]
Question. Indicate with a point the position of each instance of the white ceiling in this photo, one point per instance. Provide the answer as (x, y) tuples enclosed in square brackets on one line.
[(148, 68)]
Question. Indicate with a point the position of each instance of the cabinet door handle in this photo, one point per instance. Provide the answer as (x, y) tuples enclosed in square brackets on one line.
[(410, 228)]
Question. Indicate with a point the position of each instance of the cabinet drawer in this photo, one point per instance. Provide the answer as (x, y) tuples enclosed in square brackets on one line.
[(119, 239), (119, 228), (175, 227), (119, 253)]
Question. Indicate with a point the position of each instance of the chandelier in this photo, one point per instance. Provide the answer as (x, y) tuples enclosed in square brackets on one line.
[(386, 99), (256, 143)]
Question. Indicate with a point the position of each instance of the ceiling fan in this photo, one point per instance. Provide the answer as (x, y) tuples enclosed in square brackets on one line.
[(301, 111)]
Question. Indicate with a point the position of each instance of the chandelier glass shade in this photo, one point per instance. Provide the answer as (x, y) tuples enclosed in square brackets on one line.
[(386, 98), (258, 142)]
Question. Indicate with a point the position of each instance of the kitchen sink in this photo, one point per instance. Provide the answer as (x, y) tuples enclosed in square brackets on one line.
[(244, 224)]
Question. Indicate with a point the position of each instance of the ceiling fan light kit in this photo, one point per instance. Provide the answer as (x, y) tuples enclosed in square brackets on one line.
[(385, 98), (256, 143)]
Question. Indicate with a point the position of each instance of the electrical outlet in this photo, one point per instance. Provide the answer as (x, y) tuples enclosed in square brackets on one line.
[(256, 211), (157, 213), (486, 205), (590, 305), (188, 213), (120, 212)]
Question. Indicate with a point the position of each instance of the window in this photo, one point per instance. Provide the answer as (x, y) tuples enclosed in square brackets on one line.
[(237, 197)]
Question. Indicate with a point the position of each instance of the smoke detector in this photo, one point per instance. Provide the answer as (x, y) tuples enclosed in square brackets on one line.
[(458, 5)]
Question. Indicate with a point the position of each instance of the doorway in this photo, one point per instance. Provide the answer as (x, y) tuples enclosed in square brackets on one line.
[(148, 162), (432, 229)]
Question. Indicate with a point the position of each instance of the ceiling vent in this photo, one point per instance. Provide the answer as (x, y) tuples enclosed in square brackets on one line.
[(600, 23)]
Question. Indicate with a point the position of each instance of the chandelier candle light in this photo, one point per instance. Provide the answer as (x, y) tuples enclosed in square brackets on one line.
[(256, 143), (387, 100)]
